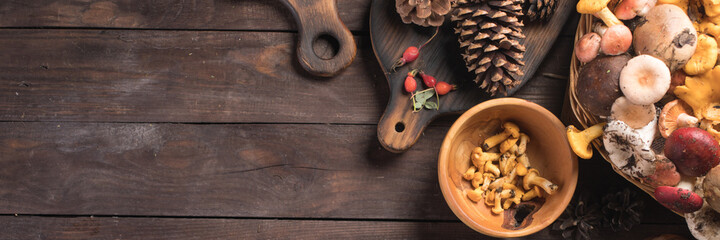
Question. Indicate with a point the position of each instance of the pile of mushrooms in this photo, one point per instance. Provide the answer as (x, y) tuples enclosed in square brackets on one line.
[(650, 71)]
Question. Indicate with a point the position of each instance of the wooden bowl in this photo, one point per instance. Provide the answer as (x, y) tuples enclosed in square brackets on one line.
[(548, 151)]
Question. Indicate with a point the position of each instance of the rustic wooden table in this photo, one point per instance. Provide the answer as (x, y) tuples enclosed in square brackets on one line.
[(178, 119)]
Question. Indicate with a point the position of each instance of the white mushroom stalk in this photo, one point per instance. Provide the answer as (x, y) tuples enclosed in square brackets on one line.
[(629, 149)]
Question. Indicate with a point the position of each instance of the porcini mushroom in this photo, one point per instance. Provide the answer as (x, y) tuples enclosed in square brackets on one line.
[(675, 114), (635, 116), (704, 224), (644, 80), (532, 178), (711, 188), (598, 83), (705, 56), (668, 34), (598, 8), (628, 9), (588, 47), (629, 149), (580, 141), (509, 130), (616, 40)]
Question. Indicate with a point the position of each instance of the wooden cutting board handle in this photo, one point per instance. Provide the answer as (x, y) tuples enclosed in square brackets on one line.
[(319, 19)]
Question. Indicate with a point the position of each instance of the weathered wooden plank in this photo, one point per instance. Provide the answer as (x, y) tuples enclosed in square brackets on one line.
[(186, 76), (177, 228), (167, 14), (236, 170)]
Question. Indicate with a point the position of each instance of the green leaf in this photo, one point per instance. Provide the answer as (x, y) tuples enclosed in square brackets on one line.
[(417, 105), (431, 105), (424, 96)]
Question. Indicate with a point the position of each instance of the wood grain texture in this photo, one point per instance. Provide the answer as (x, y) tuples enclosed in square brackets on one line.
[(163, 228), (167, 14), (399, 126), (236, 170), (185, 76), (318, 19)]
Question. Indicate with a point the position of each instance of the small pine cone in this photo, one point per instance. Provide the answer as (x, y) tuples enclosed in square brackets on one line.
[(622, 210), (539, 9), (423, 12), (490, 36)]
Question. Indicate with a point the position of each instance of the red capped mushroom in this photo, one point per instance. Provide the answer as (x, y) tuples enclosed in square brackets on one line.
[(588, 47), (628, 9), (693, 150), (676, 114), (678, 199), (616, 40)]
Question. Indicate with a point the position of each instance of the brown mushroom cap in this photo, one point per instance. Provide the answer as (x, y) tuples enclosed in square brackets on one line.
[(670, 117), (644, 80), (598, 83), (635, 116)]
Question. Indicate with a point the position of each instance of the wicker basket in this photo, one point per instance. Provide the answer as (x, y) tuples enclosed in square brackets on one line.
[(584, 117)]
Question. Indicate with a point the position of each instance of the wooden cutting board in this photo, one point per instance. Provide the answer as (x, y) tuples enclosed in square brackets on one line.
[(400, 127), (319, 20)]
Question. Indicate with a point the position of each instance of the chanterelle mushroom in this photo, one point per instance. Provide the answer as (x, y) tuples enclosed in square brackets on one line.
[(702, 93), (600, 9), (644, 80), (705, 56), (580, 141), (635, 116), (630, 149), (674, 115)]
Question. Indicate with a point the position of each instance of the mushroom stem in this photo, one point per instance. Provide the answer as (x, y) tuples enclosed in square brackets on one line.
[(479, 157), (532, 179), (470, 173), (522, 146), (580, 141), (491, 168), (506, 145), (524, 160), (510, 130), (497, 183), (529, 195), (685, 120), (608, 17), (477, 180), (487, 179)]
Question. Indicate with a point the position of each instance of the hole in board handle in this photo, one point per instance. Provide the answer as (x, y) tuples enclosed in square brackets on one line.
[(326, 46), (399, 127)]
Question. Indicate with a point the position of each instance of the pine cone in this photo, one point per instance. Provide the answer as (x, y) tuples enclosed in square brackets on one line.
[(539, 9), (622, 210), (579, 220), (423, 12), (490, 35)]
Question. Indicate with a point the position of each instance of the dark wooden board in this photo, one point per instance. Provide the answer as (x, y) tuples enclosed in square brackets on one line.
[(168, 14), (207, 76), (178, 228), (400, 127), (235, 170), (316, 20)]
